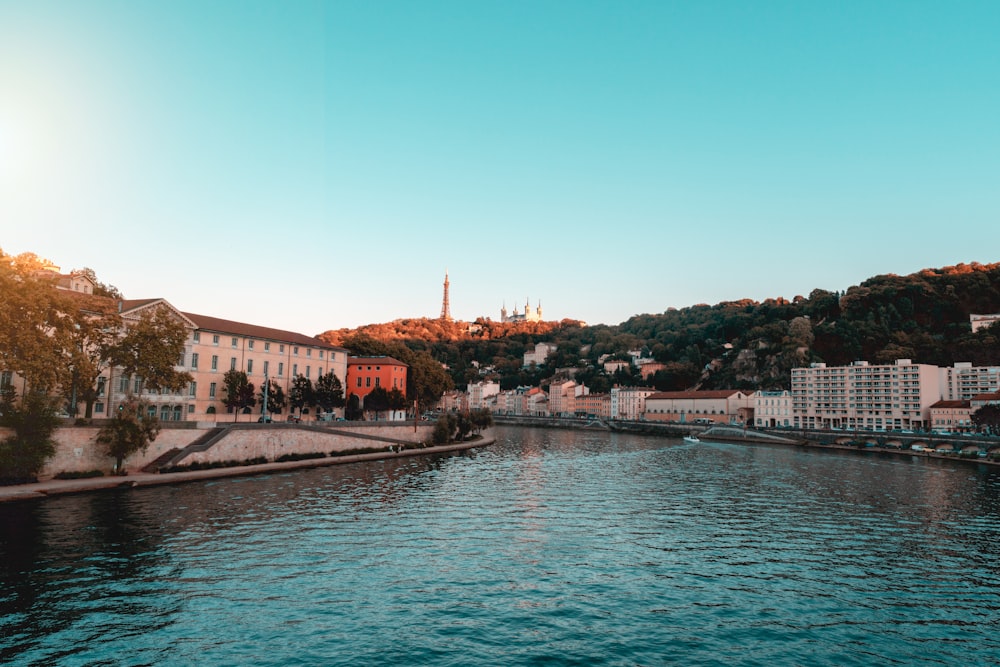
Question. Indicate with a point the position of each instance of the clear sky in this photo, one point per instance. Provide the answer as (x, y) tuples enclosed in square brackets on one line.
[(318, 165)]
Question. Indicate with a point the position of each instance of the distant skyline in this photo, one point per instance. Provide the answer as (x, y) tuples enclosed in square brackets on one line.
[(315, 165)]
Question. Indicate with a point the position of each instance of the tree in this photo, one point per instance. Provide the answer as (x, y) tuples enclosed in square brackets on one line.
[(130, 431), (444, 428), (987, 418), (275, 397), (328, 393), (239, 392), (36, 324), (150, 349), (481, 419), (33, 421), (300, 396), (377, 401), (397, 400)]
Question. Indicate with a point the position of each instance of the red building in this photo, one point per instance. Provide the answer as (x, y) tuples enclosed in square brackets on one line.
[(366, 373)]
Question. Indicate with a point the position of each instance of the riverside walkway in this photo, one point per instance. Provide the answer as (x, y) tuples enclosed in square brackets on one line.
[(55, 487)]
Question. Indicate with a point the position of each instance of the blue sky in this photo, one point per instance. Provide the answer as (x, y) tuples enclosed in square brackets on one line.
[(318, 165)]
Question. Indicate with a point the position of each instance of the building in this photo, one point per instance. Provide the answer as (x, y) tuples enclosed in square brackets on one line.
[(613, 366), (772, 409), (725, 406), (629, 402), (215, 346), (562, 398), (366, 373), (963, 380), (865, 396), (648, 368), (527, 316), (983, 321), (540, 355), (480, 394), (594, 406), (951, 416)]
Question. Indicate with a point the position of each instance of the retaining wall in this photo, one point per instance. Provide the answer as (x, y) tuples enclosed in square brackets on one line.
[(78, 451)]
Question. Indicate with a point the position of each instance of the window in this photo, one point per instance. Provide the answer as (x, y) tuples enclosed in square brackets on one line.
[(378, 382), (295, 370), (232, 363), (368, 382), (211, 390), (266, 364), (123, 384), (192, 389), (215, 339), (196, 336), (194, 360), (309, 352), (295, 350), (267, 347), (249, 366), (281, 348), (281, 368), (215, 362), (99, 407), (191, 409), (100, 385), (250, 344), (180, 362), (321, 354), (6, 379), (307, 370), (235, 341), (138, 385)]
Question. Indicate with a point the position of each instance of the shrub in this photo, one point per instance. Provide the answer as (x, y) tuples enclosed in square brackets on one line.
[(300, 456), (86, 474)]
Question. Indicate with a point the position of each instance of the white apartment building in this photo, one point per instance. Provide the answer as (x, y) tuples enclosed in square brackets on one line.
[(629, 402), (772, 409), (540, 355), (865, 396), (963, 380), (481, 392)]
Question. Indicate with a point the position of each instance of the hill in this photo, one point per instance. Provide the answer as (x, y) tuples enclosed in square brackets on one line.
[(738, 344)]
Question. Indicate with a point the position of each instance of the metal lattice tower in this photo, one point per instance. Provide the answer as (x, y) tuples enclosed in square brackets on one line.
[(445, 309)]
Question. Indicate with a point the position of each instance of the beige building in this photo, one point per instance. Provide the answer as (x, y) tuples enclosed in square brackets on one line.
[(983, 321), (594, 405), (215, 346), (721, 406), (629, 402), (772, 409), (865, 396), (539, 355), (963, 380), (951, 416)]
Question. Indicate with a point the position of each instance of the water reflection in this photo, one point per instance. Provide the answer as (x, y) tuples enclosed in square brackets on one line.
[(549, 547)]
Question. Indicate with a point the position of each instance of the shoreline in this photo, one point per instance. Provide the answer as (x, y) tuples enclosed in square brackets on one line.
[(60, 487)]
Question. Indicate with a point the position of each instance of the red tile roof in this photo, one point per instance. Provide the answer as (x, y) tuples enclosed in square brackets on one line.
[(384, 361), (207, 323), (719, 393), (951, 404)]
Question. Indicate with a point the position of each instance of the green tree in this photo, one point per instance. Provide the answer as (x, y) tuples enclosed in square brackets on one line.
[(24, 453), (397, 399), (275, 397), (481, 419), (129, 431), (301, 395), (329, 392), (444, 429), (377, 401), (150, 349), (239, 392), (987, 418)]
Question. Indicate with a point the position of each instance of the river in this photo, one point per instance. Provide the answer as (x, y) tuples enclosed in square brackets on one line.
[(548, 548)]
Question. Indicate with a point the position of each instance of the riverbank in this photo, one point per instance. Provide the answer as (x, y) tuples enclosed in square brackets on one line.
[(56, 487)]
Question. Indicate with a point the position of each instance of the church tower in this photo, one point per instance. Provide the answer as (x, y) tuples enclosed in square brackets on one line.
[(445, 308)]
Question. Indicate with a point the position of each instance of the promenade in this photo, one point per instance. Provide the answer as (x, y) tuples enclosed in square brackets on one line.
[(56, 487)]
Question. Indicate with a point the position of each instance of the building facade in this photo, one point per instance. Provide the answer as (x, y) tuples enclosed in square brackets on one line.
[(725, 406), (364, 374), (629, 402), (215, 346), (772, 409)]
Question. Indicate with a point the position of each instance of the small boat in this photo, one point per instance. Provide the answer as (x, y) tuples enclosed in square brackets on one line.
[(691, 440)]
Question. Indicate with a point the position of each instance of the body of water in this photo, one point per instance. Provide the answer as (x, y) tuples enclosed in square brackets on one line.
[(548, 548)]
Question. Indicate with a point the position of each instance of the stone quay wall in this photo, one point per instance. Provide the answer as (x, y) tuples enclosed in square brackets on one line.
[(77, 449)]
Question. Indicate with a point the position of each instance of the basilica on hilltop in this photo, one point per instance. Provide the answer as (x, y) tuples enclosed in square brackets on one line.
[(527, 316)]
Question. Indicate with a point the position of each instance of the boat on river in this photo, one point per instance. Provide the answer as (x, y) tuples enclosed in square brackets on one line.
[(691, 440)]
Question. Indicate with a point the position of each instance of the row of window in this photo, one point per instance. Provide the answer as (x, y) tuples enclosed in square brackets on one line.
[(235, 342)]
